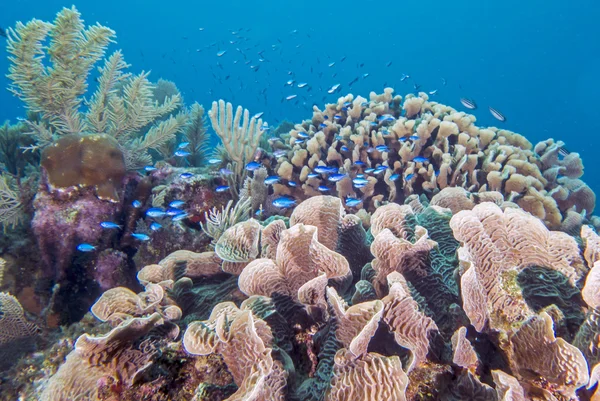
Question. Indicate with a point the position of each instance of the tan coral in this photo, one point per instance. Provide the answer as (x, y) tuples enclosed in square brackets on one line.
[(455, 199), (464, 353), (95, 358), (239, 245), (412, 329), (356, 324), (397, 254), (536, 352), (370, 377), (245, 343), (300, 258), (393, 217), (323, 212), (497, 245)]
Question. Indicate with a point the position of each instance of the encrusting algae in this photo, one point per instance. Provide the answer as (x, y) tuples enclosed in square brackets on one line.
[(384, 249)]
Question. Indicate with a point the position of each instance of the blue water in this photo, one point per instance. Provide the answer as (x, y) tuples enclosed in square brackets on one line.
[(536, 61)]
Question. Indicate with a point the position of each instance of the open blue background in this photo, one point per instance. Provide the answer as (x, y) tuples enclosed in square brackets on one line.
[(538, 62)]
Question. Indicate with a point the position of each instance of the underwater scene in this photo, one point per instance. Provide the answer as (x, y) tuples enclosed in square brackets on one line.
[(305, 201)]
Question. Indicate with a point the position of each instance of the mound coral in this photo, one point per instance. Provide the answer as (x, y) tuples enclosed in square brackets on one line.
[(421, 147)]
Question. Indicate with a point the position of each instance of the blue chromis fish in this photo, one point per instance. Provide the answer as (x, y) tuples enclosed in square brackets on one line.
[(284, 202), (279, 153), (271, 180), (225, 171), (136, 204), (141, 236), (336, 177), (312, 175), (183, 145), (382, 148), (394, 177), (420, 159), (180, 216), (155, 226), (344, 148), (109, 225), (214, 161), (172, 211), (176, 203), (222, 188), (303, 135), (352, 202), (360, 181), (409, 177), (252, 166), (292, 184), (323, 188), (149, 168), (86, 247), (359, 163), (185, 176), (414, 137), (369, 170), (182, 153), (155, 212)]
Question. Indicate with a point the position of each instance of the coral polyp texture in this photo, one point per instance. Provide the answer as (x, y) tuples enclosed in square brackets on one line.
[(386, 249)]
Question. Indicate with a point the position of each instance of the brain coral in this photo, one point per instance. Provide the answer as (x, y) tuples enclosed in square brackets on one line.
[(87, 161), (420, 146)]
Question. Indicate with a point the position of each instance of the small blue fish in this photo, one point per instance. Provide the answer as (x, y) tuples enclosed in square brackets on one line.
[(336, 177), (252, 166), (360, 176), (86, 247), (155, 226), (437, 173), (225, 171), (149, 168), (222, 188), (414, 137), (323, 188), (369, 170), (312, 175), (155, 212), (182, 153), (180, 216), (183, 145), (382, 148), (409, 177), (176, 203), (352, 202), (214, 161), (403, 139), (359, 163), (360, 181), (109, 225), (345, 149), (300, 141), (420, 159), (136, 204), (394, 177), (322, 125), (284, 202), (346, 104), (185, 176), (292, 184), (271, 180), (303, 135), (172, 211), (379, 170), (360, 185), (141, 237), (279, 153)]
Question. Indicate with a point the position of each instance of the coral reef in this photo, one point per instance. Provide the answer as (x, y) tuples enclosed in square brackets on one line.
[(385, 249)]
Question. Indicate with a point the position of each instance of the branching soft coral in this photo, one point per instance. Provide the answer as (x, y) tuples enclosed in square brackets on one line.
[(121, 106)]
